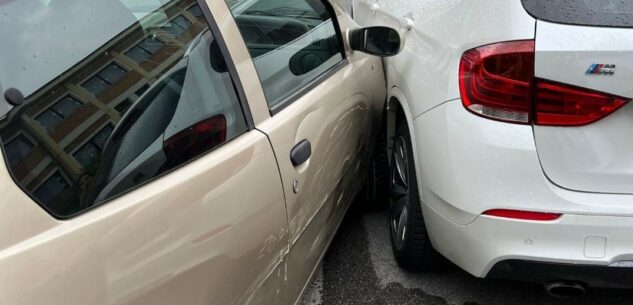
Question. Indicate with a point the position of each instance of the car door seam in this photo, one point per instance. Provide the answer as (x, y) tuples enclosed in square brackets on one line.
[(283, 190)]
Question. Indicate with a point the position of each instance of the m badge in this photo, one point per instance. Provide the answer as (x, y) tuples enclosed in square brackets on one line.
[(601, 69)]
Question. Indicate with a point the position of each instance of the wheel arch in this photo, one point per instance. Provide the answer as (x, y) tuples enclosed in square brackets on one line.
[(398, 110)]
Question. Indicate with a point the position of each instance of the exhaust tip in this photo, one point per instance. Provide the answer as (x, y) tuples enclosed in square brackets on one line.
[(565, 289)]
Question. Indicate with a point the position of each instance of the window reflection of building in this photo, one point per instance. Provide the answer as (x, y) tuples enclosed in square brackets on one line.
[(54, 140)]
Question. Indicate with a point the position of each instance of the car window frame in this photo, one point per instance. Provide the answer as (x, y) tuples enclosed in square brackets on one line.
[(316, 81), (235, 77), (242, 100)]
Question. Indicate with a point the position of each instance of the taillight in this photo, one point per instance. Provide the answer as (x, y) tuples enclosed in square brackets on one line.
[(523, 215), (195, 140), (564, 105), (497, 82)]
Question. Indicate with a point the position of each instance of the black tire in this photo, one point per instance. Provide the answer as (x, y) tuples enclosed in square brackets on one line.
[(378, 179), (409, 239)]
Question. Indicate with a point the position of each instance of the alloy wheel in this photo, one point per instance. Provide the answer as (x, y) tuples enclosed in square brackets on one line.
[(400, 192)]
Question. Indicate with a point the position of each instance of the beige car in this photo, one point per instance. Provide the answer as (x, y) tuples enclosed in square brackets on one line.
[(180, 151)]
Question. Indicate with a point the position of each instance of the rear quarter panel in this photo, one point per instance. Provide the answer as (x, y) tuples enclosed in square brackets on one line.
[(425, 74), (427, 68)]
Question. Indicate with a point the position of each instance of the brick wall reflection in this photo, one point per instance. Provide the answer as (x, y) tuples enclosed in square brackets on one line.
[(54, 140)]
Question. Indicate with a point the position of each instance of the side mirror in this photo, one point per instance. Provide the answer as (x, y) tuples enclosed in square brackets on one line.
[(379, 41)]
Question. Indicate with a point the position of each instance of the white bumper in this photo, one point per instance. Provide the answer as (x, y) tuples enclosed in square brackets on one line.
[(468, 165), (573, 239)]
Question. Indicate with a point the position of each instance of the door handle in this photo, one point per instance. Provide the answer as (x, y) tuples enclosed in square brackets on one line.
[(301, 153)]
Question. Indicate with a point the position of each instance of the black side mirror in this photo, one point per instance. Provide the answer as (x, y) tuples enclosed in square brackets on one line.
[(379, 41)]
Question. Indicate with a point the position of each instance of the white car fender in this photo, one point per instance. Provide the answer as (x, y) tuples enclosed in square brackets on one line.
[(395, 94)]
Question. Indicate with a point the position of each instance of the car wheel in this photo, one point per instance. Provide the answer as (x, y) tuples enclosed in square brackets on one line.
[(378, 179), (409, 238)]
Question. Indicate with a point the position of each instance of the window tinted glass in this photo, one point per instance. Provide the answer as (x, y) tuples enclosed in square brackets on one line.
[(615, 13), (53, 116), (67, 106), (52, 189), (49, 119), (292, 42), (18, 148), (113, 103)]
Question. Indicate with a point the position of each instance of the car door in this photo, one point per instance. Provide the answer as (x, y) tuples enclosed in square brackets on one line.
[(320, 106), (134, 137)]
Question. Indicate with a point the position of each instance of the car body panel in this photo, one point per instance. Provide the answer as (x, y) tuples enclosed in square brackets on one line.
[(164, 243), (22, 218), (467, 165), (340, 107), (211, 232), (425, 74), (457, 151), (226, 228), (597, 157), (426, 68), (604, 241)]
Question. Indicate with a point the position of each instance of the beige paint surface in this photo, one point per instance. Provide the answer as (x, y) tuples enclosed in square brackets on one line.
[(217, 230)]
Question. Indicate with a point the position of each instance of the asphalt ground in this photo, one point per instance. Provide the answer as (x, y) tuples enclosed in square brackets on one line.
[(359, 268)]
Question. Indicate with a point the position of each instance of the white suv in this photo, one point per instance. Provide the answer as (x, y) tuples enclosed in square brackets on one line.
[(511, 124)]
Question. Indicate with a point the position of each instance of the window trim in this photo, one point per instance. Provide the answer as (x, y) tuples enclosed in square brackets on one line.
[(235, 78), (337, 27), (319, 79)]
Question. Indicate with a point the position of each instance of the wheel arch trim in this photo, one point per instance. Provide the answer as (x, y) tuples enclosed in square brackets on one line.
[(397, 100)]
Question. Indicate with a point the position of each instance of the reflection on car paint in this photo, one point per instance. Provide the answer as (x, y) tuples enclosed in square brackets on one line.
[(128, 112)]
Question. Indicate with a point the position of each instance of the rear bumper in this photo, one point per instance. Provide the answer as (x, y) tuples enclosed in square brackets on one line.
[(570, 248), (468, 165), (539, 272)]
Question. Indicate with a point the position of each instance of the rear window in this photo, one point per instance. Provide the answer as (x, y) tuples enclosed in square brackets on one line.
[(611, 13), (116, 94)]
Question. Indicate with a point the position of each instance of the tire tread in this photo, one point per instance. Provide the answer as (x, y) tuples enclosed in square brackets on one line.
[(417, 253)]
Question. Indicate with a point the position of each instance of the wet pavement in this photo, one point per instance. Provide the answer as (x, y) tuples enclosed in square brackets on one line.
[(360, 269)]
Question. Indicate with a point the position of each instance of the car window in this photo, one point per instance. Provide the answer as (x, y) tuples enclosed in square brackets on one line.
[(116, 93), (292, 42), (612, 13)]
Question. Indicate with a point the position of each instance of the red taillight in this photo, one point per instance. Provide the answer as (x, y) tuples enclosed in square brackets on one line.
[(564, 105), (497, 82), (195, 140), (523, 215)]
